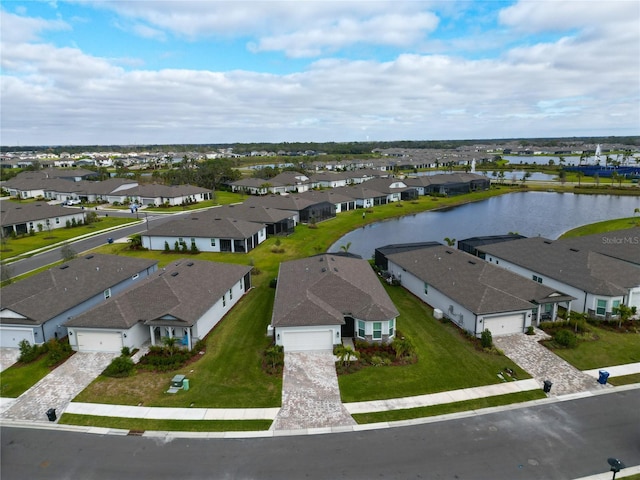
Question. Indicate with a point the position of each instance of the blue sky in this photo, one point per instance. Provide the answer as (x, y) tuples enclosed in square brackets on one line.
[(177, 71)]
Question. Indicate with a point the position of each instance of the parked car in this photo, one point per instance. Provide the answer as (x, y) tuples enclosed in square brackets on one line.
[(72, 202)]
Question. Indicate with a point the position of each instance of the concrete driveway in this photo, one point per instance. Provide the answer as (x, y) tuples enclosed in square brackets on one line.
[(310, 393), (59, 387)]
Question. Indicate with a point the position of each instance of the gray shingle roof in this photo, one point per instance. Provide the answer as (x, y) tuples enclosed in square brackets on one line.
[(206, 226), (184, 290), (587, 270), (249, 213), (479, 286), (322, 289), (13, 213), (48, 294)]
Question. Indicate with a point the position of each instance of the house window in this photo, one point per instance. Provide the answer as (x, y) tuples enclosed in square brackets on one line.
[(231, 294), (391, 325), (180, 240), (213, 242), (426, 288), (107, 293), (615, 305), (601, 308), (377, 330), (57, 220), (537, 279), (224, 300), (361, 328)]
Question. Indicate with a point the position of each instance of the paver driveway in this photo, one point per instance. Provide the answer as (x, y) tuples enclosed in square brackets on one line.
[(310, 393), (542, 364), (59, 387), (8, 356)]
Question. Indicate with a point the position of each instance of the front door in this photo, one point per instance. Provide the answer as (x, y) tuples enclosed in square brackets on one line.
[(348, 329)]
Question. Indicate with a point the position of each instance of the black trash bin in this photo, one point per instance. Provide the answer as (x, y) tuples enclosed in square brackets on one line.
[(51, 414), (547, 386)]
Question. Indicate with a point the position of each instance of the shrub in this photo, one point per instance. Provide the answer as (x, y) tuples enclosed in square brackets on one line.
[(166, 247), (486, 339), (57, 351), (119, 367), (530, 330), (566, 339), (125, 352), (273, 359), (28, 352)]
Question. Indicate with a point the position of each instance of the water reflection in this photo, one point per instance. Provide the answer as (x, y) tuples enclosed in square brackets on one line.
[(528, 213)]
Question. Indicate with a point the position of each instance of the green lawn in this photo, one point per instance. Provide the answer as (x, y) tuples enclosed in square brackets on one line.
[(12, 247), (603, 227), (446, 359), (604, 348), (142, 424), (432, 411)]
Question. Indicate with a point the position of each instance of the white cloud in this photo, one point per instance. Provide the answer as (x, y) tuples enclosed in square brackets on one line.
[(18, 28), (582, 84)]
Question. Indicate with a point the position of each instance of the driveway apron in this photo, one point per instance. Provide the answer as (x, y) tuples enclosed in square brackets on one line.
[(310, 393), (8, 356), (59, 387), (543, 365)]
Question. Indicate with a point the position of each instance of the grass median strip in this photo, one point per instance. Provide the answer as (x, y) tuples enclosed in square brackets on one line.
[(166, 425), (435, 410)]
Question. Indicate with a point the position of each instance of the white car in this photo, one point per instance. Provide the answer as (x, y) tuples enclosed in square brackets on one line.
[(73, 202)]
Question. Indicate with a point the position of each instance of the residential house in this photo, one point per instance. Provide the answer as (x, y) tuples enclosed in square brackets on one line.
[(205, 233), (474, 294), (602, 272), (309, 210), (172, 195), (184, 300), (278, 222), (36, 308), (22, 218), (321, 299)]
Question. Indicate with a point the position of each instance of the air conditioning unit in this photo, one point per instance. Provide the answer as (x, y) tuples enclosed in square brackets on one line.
[(437, 313)]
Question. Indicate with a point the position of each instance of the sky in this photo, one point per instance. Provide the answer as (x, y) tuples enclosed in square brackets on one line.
[(98, 72)]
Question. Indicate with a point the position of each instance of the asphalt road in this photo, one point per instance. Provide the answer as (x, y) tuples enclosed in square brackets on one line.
[(562, 440), (51, 256)]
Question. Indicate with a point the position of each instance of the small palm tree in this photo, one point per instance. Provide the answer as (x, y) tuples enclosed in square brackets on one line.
[(135, 241), (450, 241), (345, 248)]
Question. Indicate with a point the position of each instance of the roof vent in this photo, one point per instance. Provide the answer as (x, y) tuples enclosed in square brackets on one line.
[(194, 218), (335, 269), (324, 269), (471, 262), (174, 274), (574, 249), (547, 242), (321, 259), (89, 257), (449, 252), (63, 267), (190, 264)]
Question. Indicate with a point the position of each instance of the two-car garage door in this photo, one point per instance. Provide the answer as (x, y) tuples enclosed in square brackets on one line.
[(11, 337), (301, 341), (505, 324), (99, 341)]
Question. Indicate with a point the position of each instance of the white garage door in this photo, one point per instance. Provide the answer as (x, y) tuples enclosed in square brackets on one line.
[(505, 324), (307, 341), (11, 337), (99, 341)]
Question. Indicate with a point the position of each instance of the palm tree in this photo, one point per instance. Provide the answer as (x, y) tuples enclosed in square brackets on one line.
[(345, 248), (450, 241), (135, 242), (579, 174)]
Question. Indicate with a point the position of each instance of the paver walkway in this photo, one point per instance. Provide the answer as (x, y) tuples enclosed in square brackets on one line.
[(543, 365), (310, 393), (59, 387)]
